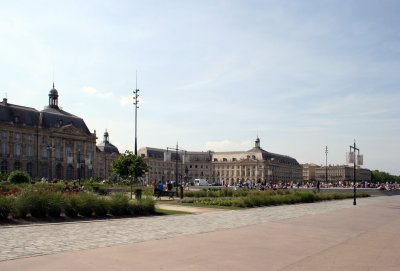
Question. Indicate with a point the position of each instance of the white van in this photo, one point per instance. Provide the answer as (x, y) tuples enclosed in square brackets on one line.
[(201, 182)]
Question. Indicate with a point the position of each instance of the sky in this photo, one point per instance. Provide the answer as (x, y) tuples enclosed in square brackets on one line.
[(214, 75)]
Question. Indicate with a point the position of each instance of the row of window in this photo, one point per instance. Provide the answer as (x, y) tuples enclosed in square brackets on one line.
[(60, 173), (6, 135)]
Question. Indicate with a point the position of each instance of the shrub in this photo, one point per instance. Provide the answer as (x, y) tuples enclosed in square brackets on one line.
[(145, 206), (21, 205), (6, 206), (71, 206), (38, 204), (56, 204), (101, 207), (119, 204), (86, 203), (18, 177)]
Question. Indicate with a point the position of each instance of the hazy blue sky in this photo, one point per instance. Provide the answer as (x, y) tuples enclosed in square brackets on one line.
[(215, 74)]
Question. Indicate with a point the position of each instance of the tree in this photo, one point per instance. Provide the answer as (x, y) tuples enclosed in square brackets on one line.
[(18, 177), (130, 166)]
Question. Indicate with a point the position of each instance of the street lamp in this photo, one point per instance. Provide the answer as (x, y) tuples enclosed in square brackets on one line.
[(177, 169), (51, 149), (135, 102), (326, 164), (352, 159)]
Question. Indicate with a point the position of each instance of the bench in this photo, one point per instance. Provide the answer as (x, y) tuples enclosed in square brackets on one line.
[(170, 194)]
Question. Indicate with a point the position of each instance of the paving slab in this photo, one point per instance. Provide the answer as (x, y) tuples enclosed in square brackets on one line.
[(320, 236)]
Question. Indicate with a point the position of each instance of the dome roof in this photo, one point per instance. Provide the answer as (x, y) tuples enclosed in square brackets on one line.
[(53, 92), (108, 148)]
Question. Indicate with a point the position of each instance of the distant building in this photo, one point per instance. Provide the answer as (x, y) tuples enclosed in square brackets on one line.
[(106, 154), (341, 173), (166, 163), (51, 143), (256, 165), (309, 172)]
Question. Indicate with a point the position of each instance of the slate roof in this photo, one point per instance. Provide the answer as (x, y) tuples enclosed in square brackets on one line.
[(47, 118), (19, 114)]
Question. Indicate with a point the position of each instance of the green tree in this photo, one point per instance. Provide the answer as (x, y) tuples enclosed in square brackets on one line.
[(18, 177), (130, 166)]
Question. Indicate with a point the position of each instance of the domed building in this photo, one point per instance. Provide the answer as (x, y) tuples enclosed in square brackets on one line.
[(256, 165), (106, 154), (50, 144)]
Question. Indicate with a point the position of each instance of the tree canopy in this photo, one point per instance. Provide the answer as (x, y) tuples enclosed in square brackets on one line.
[(129, 165), (383, 177)]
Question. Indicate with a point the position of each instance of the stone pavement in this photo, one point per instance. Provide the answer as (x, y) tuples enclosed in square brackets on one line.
[(292, 237)]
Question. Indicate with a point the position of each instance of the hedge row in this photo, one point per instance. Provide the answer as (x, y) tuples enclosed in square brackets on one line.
[(268, 199), (225, 192), (41, 204)]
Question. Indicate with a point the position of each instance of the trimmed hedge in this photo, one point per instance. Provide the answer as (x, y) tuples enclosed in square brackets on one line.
[(271, 198)]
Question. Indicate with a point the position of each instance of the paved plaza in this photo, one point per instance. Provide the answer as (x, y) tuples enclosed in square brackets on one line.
[(291, 237)]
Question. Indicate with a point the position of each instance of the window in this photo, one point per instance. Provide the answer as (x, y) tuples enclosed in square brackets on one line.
[(17, 150), (4, 135), (29, 151), (4, 167), (4, 148), (58, 153), (17, 165), (68, 152), (29, 168), (28, 138), (17, 137), (224, 159), (44, 152)]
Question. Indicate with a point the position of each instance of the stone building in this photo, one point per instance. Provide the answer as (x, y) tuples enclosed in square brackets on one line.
[(51, 143), (341, 173), (165, 164), (106, 154), (256, 165), (309, 172)]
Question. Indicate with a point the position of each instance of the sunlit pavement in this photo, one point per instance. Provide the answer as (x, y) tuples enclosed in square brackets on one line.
[(293, 237)]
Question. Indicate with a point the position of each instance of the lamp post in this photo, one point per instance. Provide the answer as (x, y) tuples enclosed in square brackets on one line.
[(51, 149), (326, 164), (135, 102), (177, 169), (355, 165)]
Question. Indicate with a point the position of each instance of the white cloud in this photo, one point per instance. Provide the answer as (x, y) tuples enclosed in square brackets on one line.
[(89, 90), (93, 91), (126, 100)]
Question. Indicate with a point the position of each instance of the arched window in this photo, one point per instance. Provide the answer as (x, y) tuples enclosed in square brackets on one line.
[(59, 171), (17, 165), (70, 172), (29, 168), (45, 171), (4, 167)]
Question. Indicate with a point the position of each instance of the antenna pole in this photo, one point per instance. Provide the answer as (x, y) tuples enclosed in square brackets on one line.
[(135, 102)]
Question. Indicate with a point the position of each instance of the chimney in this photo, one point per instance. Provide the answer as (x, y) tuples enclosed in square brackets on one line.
[(5, 101)]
